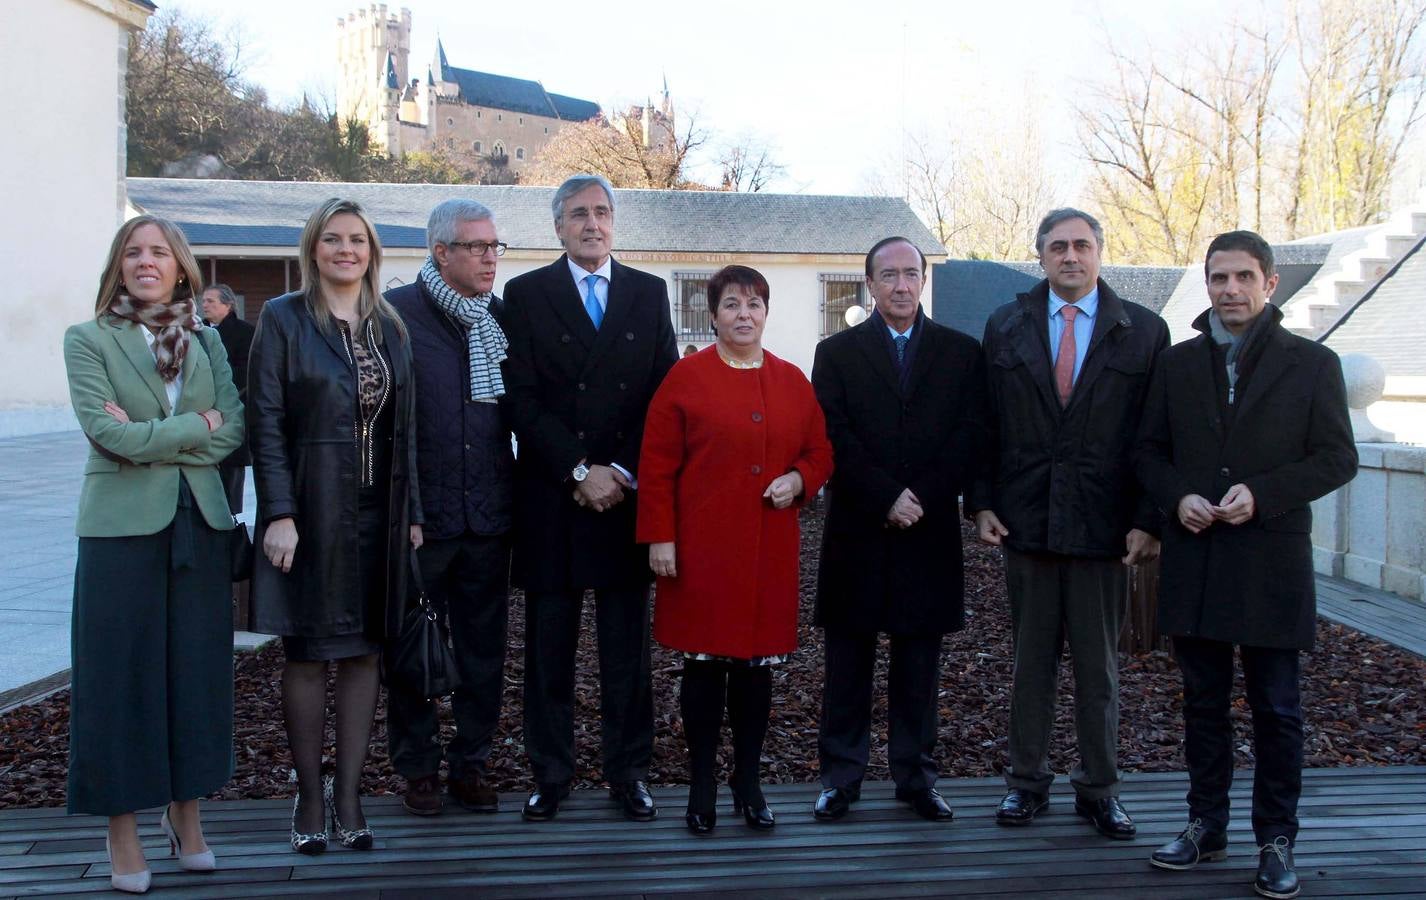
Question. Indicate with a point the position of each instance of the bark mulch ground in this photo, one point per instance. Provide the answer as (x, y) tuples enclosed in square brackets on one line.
[(1362, 698)]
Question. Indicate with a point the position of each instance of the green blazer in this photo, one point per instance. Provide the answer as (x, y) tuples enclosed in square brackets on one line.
[(109, 359)]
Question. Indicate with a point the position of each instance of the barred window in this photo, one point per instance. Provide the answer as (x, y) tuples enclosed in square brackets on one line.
[(690, 306), (840, 292)]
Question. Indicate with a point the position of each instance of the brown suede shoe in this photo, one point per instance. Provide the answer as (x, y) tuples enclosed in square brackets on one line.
[(474, 794), (423, 795)]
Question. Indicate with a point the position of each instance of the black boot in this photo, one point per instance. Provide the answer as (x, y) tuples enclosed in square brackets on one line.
[(701, 703), (749, 704)]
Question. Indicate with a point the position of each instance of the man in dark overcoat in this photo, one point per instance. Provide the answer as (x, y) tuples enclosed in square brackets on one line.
[(1068, 365), (1245, 426), (466, 477), (904, 400), (220, 311), (590, 341)]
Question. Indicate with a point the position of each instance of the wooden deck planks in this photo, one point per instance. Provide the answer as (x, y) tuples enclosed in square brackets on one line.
[(1382, 615), (1363, 834)]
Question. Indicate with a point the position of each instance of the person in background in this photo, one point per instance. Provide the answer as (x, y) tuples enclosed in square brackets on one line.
[(333, 438), (151, 703), (220, 311), (734, 445)]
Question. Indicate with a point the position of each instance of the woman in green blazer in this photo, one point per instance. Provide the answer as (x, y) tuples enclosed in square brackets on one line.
[(151, 707)]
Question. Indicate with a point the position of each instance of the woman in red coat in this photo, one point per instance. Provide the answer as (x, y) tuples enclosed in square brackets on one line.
[(733, 445)]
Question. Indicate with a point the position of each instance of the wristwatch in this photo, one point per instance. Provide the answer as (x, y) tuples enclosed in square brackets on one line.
[(579, 473)]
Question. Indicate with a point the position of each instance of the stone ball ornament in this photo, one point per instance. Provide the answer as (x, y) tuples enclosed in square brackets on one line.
[(1365, 377), (854, 316)]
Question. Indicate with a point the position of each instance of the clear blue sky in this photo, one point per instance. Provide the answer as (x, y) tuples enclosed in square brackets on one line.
[(832, 85)]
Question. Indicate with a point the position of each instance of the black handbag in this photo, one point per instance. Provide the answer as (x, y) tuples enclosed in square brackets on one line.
[(240, 551), (419, 661)]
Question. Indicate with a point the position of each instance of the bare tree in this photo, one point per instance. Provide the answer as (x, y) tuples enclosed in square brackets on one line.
[(748, 164), (620, 151)]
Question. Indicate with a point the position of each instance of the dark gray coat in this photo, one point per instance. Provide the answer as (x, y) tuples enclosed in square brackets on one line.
[(1289, 440), (1060, 478), (885, 439)]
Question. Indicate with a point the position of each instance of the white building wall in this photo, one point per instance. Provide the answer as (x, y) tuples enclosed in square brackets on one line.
[(794, 319), (64, 197)]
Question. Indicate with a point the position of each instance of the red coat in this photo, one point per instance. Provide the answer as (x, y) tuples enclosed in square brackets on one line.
[(715, 438)]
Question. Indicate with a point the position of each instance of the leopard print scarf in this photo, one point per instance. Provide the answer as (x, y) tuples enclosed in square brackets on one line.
[(173, 320)]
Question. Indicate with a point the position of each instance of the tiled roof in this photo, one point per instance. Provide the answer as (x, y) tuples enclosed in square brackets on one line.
[(502, 92), (1387, 322), (267, 213), (967, 291), (573, 109)]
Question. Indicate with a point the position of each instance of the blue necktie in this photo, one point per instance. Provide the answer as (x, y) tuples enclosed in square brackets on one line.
[(591, 301), (901, 341)]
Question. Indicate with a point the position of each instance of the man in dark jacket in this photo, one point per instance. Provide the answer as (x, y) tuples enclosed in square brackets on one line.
[(904, 400), (466, 470), (590, 341), (1246, 425), (1068, 365), (219, 310)]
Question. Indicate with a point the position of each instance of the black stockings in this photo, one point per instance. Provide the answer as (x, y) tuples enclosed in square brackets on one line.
[(304, 709), (748, 690)]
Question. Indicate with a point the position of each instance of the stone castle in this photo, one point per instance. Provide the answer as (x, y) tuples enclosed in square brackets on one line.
[(496, 117)]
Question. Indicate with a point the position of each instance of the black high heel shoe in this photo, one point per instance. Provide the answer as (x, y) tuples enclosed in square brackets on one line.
[(702, 813), (759, 818)]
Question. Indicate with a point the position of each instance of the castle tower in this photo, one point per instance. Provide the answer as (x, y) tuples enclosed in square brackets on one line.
[(373, 49)]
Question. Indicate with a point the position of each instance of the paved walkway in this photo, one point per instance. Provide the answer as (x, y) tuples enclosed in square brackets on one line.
[(40, 477)]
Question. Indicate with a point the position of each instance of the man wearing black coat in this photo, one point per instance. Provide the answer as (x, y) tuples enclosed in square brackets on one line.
[(904, 400), (590, 341), (1246, 425), (1068, 365), (237, 336), (466, 476)]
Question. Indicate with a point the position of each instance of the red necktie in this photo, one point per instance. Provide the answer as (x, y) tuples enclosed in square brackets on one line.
[(1064, 360)]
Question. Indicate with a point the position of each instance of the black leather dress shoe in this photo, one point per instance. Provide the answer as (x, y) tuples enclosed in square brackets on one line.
[(1276, 876), (635, 800), (701, 822), (1108, 816), (1194, 845), (927, 802), (1020, 807), (833, 803), (544, 802)]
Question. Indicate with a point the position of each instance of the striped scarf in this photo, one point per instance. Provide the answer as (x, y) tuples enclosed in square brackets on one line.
[(487, 340), (173, 320)]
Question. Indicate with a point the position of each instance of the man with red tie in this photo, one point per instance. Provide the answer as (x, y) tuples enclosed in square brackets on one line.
[(1068, 365)]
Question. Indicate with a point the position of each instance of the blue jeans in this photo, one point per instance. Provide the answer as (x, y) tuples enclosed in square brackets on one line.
[(1271, 677)]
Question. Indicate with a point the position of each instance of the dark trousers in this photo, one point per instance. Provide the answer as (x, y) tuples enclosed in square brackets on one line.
[(1054, 598), (151, 702), (621, 624), (1271, 678), (844, 737), (233, 477), (467, 579)]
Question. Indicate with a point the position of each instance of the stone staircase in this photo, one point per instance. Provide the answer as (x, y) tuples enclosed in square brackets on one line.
[(1344, 280)]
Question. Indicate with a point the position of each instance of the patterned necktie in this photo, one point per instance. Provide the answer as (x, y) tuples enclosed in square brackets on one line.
[(1064, 360), (591, 301), (901, 342)]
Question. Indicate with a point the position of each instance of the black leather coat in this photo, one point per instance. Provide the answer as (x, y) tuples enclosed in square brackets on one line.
[(302, 397)]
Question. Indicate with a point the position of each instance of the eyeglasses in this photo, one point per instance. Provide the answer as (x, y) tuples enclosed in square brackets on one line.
[(480, 248)]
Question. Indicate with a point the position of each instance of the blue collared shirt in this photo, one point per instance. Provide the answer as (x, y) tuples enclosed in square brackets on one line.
[(1088, 307)]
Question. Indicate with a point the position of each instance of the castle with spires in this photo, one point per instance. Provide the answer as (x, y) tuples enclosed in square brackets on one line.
[(503, 119)]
